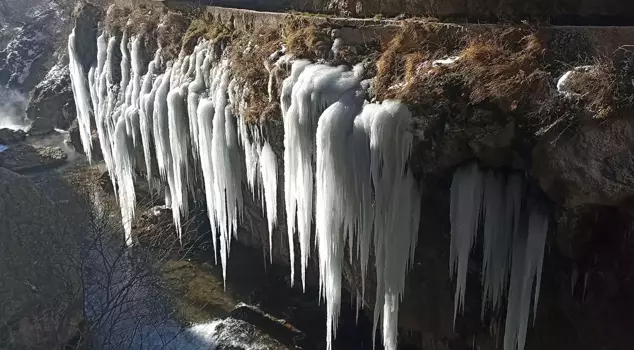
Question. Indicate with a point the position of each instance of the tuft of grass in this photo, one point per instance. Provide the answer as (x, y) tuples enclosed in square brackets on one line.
[(506, 68), (411, 47), (170, 31), (116, 19), (606, 90), (305, 40), (203, 28), (250, 58)]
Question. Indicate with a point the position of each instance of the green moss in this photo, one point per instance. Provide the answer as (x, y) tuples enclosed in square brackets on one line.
[(198, 292)]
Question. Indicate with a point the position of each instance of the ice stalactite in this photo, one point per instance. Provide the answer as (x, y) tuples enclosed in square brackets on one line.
[(195, 89), (345, 160), (81, 95), (146, 111), (514, 226), (268, 172), (396, 210), (466, 201), (179, 144), (124, 172), (227, 174), (315, 88), (502, 204), (205, 114)]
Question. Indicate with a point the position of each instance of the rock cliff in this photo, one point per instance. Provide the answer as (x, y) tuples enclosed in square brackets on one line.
[(497, 95)]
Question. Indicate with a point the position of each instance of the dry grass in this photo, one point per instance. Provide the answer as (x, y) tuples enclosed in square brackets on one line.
[(606, 90), (249, 58), (170, 31), (203, 28), (505, 68), (116, 19), (305, 40), (415, 44)]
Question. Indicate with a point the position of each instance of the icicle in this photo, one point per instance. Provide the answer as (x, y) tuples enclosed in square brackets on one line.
[(466, 201), (195, 89), (124, 153), (397, 204), (227, 184), (146, 111), (333, 180), (316, 88), (179, 145), (268, 171), (205, 115), (82, 96), (501, 215)]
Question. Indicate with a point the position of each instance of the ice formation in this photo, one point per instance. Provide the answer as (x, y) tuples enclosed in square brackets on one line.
[(81, 95), (342, 164), (514, 224)]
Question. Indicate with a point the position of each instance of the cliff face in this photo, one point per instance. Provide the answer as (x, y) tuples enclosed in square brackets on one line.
[(502, 103)]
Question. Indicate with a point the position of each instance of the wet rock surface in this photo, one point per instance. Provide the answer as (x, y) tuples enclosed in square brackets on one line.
[(22, 158), (10, 136)]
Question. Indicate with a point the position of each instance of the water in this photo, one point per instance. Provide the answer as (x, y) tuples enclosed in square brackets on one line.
[(12, 109)]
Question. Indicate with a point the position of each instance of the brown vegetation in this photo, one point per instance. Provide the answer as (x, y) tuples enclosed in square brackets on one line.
[(305, 40), (606, 89), (171, 29), (503, 66)]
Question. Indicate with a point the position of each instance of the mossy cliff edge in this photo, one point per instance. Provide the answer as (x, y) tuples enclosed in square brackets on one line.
[(489, 93)]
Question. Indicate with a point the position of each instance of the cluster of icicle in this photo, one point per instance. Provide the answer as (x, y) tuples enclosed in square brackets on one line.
[(363, 193), (514, 223), (343, 154)]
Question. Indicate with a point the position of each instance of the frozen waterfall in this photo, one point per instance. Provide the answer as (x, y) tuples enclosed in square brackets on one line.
[(345, 159)]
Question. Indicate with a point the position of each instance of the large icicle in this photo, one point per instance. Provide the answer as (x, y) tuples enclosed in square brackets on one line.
[(227, 176), (466, 201), (82, 96), (268, 172), (124, 153), (528, 255), (334, 188), (179, 145), (146, 111), (313, 90), (397, 211)]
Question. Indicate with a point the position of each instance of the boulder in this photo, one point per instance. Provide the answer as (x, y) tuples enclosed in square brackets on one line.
[(41, 126), (23, 158), (52, 99), (10, 136), (40, 303), (588, 165), (74, 139)]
